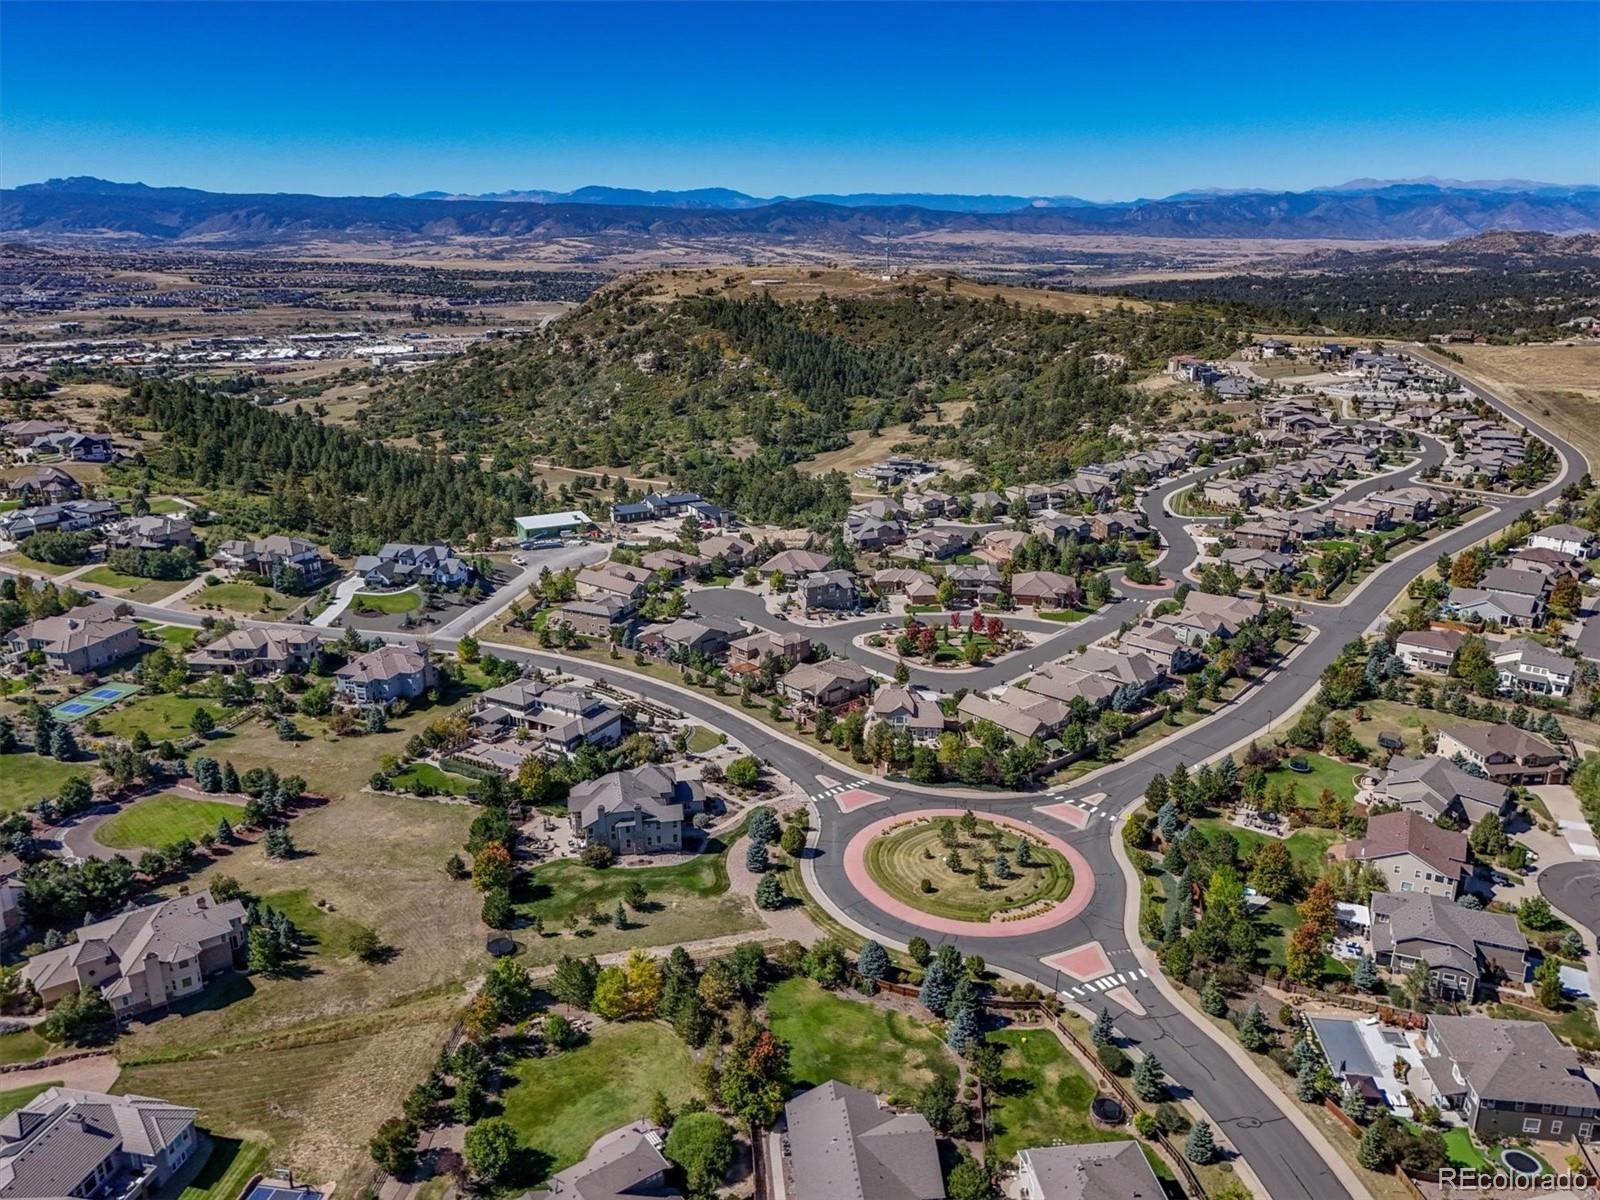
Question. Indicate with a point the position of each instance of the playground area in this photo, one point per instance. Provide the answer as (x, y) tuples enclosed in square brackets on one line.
[(92, 701)]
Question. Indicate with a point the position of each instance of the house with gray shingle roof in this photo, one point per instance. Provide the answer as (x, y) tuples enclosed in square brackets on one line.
[(624, 1164), (1096, 1171), (844, 1144), (71, 1143), (1508, 1079), (1462, 946), (639, 811), (147, 957), (1436, 787)]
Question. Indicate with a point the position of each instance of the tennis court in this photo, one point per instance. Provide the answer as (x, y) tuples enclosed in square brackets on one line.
[(92, 701), (268, 1191)]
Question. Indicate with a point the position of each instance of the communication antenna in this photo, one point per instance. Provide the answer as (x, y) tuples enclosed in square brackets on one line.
[(888, 272)]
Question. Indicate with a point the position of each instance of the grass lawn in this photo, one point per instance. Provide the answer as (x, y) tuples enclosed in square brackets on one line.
[(902, 858), (329, 933), (32, 566), (1044, 1098), (24, 778), (137, 588), (861, 1044), (1279, 920), (160, 714), (561, 1103), (1306, 845), (386, 602), (227, 1168), (23, 1046), (439, 781), (243, 598), (1459, 1146), (1325, 772), (686, 902), (180, 637), (15, 1098), (167, 506), (702, 739), (1065, 615), (161, 820)]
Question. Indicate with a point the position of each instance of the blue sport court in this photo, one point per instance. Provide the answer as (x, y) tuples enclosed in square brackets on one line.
[(266, 1191), (92, 701)]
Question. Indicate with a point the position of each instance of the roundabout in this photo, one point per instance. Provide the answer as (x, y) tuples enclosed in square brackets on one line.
[(925, 868)]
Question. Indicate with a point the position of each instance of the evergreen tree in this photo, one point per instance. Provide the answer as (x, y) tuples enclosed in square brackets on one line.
[(1354, 1105), (1103, 1032), (963, 1029), (1201, 1145), (1213, 999), (230, 778), (63, 746), (1149, 1080), (873, 962), (1365, 974), (1372, 1153), (1305, 1084), (936, 988), (769, 893), (756, 860), (1254, 1033)]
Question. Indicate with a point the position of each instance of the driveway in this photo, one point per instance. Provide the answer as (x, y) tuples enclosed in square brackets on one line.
[(342, 595)]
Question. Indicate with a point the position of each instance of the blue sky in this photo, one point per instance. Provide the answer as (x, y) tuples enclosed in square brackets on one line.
[(1106, 101)]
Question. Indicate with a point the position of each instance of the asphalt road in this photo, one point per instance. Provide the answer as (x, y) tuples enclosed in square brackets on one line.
[(1574, 888)]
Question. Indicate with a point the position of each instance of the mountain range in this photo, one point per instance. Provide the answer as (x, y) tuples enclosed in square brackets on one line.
[(85, 208)]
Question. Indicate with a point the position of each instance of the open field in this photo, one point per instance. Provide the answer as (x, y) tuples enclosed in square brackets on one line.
[(244, 598), (1557, 385), (561, 1103), (1338, 777), (328, 933), (130, 587), (903, 859), (23, 1046), (444, 783), (686, 902), (24, 778), (161, 820), (864, 448), (159, 714), (387, 602), (32, 566), (864, 1045)]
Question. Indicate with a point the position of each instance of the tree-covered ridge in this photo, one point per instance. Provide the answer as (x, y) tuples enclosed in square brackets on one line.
[(630, 381), (268, 471)]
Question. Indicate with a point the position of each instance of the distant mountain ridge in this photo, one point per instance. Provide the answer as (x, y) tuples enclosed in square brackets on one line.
[(88, 208)]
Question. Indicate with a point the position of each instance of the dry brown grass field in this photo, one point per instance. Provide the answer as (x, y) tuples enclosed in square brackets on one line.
[(1558, 385)]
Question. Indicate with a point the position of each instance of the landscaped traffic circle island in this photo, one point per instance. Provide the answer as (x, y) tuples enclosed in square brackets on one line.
[(951, 871)]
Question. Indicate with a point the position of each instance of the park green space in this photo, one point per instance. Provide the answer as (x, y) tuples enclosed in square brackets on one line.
[(864, 1045), (161, 820), (1306, 845), (1338, 777), (900, 859), (560, 1103)]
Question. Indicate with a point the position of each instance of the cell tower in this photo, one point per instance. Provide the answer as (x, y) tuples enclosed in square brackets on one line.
[(888, 271)]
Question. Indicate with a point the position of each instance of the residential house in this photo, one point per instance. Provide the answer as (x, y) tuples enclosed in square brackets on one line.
[(561, 719), (882, 509), (916, 586), (623, 1164), (1229, 493), (1508, 1079), (1258, 562), (1109, 526), (1264, 535), (1465, 948), (72, 517), (1548, 562), (146, 957), (736, 552), (1436, 788), (707, 636), (22, 433), (87, 639), (1494, 608), (1022, 713), (832, 590), (937, 544), (1506, 581), (601, 616), (66, 1142), (795, 563), (869, 533), (70, 443), (843, 1142), (1413, 853), (1115, 1170), (264, 556), (1204, 616), (1361, 516), (825, 684), (673, 565), (1526, 666), (975, 584), (929, 503), (639, 811), (986, 501), (999, 546), (1161, 646), (401, 564), (152, 532), (789, 646), (1571, 540), (615, 579), (1506, 754), (655, 506), (43, 485), (1429, 649), (256, 652), (1045, 589), (901, 708), (385, 675)]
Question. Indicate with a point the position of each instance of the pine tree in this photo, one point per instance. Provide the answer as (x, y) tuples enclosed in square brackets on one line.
[(1354, 1105), (1254, 1033), (1201, 1145), (873, 962), (1102, 1032), (963, 1029), (63, 746), (230, 778), (1303, 1055), (936, 988), (1305, 1084), (1213, 999), (756, 859), (1365, 975), (769, 893), (1372, 1153), (1149, 1080)]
